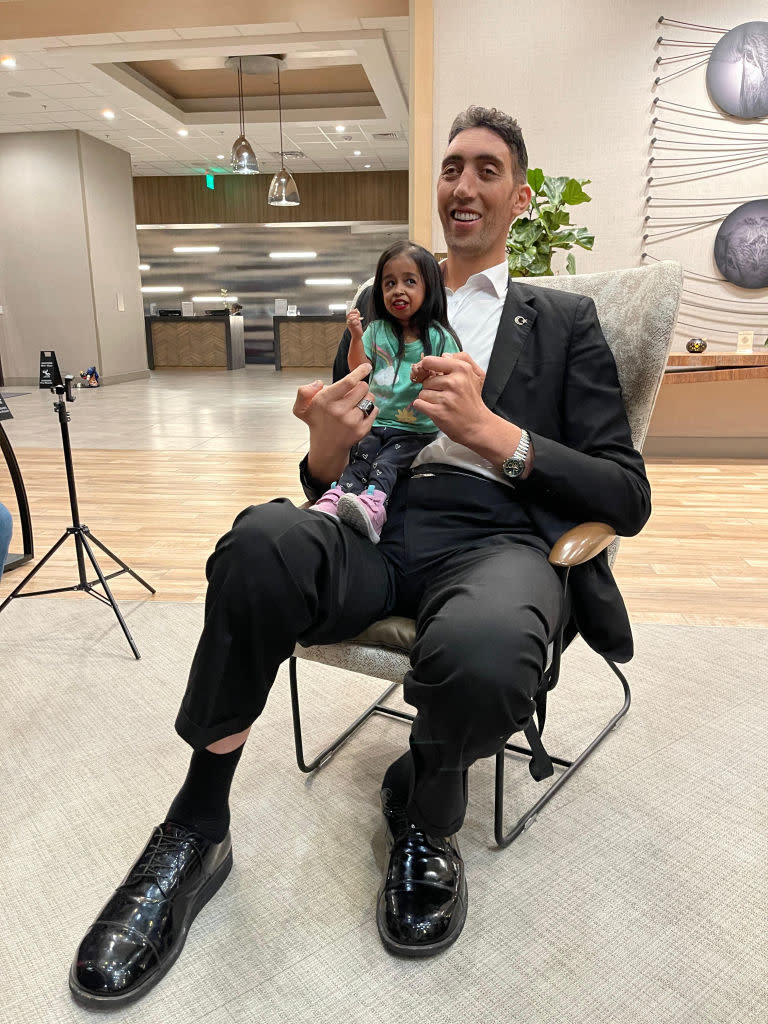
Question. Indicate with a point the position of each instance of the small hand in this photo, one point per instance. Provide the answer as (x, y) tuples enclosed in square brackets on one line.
[(354, 323), (419, 373)]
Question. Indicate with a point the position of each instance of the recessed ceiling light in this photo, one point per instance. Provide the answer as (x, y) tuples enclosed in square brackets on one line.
[(293, 255), (109, 114), (367, 167), (176, 227), (182, 131), (357, 153), (144, 266), (337, 307), (332, 282), (220, 156), (8, 62), (197, 248), (214, 298), (166, 289), (341, 128)]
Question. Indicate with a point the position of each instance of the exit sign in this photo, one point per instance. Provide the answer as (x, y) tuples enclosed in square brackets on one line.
[(209, 181)]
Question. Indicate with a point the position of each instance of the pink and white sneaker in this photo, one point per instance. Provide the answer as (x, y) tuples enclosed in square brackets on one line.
[(365, 513), (327, 502)]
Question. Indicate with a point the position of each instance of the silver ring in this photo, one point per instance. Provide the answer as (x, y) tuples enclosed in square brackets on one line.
[(366, 406)]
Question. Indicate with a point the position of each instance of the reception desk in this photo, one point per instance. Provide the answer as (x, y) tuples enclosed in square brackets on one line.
[(711, 407), (307, 340), (195, 341)]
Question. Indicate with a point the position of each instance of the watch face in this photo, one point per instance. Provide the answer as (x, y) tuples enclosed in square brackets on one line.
[(513, 467)]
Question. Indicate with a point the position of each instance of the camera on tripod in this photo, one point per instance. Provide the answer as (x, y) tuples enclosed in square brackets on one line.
[(51, 380), (65, 389)]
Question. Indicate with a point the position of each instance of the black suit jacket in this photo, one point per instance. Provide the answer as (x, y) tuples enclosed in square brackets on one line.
[(551, 371)]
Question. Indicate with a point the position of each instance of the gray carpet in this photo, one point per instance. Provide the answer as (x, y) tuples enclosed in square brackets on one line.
[(639, 896)]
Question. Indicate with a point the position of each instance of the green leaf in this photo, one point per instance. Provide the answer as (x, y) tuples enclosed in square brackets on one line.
[(570, 264), (553, 189), (573, 193), (554, 219), (535, 179), (584, 238)]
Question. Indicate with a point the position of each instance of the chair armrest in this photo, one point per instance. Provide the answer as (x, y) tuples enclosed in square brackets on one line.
[(581, 543)]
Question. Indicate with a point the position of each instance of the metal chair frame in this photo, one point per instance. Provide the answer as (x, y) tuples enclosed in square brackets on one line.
[(379, 707)]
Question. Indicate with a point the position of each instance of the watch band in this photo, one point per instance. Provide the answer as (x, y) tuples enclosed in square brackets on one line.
[(514, 466)]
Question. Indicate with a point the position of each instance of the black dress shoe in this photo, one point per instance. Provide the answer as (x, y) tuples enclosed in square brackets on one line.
[(141, 931), (422, 904)]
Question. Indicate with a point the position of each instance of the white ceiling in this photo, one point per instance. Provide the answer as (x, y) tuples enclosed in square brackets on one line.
[(70, 80)]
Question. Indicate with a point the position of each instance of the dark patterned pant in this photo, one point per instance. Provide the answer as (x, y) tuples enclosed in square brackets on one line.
[(380, 456)]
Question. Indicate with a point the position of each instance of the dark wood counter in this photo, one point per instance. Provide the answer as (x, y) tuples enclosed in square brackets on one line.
[(195, 341), (307, 340)]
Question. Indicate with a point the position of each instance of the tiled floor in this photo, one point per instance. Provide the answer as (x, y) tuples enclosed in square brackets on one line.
[(245, 410)]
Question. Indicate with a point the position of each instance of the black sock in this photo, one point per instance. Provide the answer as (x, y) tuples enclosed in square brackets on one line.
[(202, 803), (398, 778)]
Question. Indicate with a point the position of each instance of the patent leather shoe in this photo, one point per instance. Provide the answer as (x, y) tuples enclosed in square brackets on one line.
[(422, 904), (141, 931)]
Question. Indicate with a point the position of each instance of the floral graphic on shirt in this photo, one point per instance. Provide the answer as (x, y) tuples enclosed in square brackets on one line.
[(406, 415)]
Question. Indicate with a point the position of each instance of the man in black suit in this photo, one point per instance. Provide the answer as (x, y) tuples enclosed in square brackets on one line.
[(533, 439)]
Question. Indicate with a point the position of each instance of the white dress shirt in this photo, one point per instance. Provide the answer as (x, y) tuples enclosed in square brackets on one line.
[(474, 312)]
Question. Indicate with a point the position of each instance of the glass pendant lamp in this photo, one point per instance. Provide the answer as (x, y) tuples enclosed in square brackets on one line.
[(243, 158), (282, 191)]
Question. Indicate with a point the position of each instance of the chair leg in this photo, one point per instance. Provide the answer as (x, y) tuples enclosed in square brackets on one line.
[(505, 838), (330, 750)]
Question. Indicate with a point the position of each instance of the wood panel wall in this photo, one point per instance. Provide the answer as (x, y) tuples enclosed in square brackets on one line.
[(242, 199)]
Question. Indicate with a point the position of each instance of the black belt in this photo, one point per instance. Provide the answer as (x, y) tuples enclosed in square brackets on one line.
[(431, 469)]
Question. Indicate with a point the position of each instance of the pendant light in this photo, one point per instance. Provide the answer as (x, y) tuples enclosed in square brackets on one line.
[(243, 158), (282, 191)]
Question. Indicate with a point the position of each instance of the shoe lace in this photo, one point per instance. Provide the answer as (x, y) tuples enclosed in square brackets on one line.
[(395, 813), (161, 859)]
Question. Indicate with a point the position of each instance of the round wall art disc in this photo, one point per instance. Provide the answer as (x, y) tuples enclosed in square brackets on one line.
[(737, 72), (741, 245)]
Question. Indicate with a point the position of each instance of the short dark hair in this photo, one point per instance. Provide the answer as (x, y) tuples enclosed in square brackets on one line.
[(506, 128)]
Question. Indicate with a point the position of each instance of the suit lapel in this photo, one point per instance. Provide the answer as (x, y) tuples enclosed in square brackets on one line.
[(517, 318)]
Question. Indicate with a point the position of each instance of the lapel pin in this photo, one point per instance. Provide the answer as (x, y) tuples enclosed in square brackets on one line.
[(520, 321)]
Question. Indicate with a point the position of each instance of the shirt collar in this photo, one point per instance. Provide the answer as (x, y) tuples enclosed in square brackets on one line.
[(494, 279)]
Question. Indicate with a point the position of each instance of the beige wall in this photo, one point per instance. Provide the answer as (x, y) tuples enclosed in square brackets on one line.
[(111, 225), (579, 76), (45, 283), (67, 246)]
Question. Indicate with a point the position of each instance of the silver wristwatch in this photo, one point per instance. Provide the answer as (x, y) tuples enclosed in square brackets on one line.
[(514, 466)]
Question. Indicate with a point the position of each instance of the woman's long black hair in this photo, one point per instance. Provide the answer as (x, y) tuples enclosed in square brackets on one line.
[(433, 311)]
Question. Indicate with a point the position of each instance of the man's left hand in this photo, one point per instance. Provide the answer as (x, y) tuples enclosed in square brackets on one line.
[(452, 397)]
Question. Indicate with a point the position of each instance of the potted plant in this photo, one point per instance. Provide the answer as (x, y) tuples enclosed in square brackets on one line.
[(532, 240)]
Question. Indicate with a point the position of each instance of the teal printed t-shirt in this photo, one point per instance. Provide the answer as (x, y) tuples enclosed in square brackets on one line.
[(395, 394)]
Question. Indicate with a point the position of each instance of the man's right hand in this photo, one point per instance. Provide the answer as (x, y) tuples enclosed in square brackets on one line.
[(334, 420)]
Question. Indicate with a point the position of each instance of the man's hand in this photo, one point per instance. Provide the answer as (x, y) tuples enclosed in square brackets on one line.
[(451, 395), (334, 420), (419, 372)]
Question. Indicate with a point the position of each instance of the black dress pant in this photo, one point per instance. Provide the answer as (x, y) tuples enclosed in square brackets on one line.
[(457, 553)]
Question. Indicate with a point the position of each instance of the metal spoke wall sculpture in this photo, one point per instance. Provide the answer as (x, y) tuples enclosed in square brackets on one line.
[(696, 148)]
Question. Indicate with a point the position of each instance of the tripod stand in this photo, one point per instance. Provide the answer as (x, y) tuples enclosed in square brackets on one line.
[(81, 534)]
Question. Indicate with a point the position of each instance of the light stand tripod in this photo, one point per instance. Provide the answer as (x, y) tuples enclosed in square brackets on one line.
[(80, 532)]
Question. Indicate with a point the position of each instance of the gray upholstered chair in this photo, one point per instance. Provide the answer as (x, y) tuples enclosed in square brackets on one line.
[(637, 310)]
